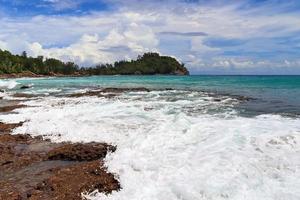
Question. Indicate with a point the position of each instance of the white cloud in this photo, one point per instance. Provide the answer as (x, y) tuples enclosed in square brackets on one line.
[(91, 49), (134, 29)]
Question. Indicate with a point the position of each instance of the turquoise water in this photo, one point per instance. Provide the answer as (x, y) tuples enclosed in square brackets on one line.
[(272, 94)]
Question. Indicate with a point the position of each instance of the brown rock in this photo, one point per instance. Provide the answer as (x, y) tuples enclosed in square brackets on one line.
[(5, 128), (20, 75), (93, 93), (120, 90), (70, 182), (33, 168), (109, 92), (11, 108), (23, 95), (80, 152)]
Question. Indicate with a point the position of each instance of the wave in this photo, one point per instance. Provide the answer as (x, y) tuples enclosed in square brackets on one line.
[(45, 91), (177, 145), (8, 84)]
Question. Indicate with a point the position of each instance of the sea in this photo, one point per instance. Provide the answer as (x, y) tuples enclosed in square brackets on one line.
[(188, 138)]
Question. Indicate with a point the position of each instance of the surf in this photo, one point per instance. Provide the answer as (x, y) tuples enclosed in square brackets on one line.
[(179, 144)]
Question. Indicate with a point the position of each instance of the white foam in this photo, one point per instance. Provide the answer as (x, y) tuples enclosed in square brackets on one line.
[(171, 146), (9, 84), (3, 94), (45, 91)]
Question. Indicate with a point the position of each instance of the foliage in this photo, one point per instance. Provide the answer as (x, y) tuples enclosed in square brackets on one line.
[(10, 63), (148, 64)]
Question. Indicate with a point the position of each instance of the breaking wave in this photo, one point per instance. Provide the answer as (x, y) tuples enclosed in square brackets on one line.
[(10, 84), (177, 144)]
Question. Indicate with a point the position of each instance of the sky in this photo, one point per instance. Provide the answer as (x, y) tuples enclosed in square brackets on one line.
[(209, 36)]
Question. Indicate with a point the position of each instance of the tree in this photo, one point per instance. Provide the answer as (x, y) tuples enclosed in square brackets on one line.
[(24, 54)]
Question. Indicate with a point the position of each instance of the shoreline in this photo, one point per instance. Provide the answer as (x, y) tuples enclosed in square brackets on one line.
[(34, 168), (142, 123), (32, 75)]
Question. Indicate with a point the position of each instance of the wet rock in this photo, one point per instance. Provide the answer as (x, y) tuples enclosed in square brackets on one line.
[(23, 95), (65, 183), (11, 107), (5, 128), (217, 100), (244, 98), (80, 152), (93, 93), (33, 168), (109, 92), (20, 75), (120, 90), (25, 87)]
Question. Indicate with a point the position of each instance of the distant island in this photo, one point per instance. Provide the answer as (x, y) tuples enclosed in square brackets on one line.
[(147, 64)]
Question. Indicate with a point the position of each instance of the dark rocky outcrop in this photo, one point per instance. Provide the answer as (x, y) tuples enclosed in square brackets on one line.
[(10, 108), (109, 92), (33, 168), (20, 75), (25, 87), (80, 152), (6, 128), (24, 95)]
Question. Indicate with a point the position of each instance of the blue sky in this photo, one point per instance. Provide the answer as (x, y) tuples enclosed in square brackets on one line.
[(209, 36)]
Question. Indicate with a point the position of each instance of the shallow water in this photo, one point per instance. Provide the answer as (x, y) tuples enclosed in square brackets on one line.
[(273, 94), (199, 141)]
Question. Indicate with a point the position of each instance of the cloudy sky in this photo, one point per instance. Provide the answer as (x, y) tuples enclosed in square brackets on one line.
[(209, 36)]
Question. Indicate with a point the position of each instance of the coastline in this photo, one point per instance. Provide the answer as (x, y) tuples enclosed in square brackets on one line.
[(142, 121), (34, 168), (32, 75)]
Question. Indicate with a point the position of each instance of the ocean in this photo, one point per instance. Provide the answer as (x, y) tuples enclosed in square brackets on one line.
[(189, 137)]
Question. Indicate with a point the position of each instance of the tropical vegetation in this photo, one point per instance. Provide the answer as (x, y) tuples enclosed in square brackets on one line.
[(147, 64)]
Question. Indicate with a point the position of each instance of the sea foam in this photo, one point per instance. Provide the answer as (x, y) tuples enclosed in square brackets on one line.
[(177, 145), (9, 84)]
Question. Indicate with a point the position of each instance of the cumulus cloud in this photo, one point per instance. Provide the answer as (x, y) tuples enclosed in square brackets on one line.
[(202, 35), (92, 49)]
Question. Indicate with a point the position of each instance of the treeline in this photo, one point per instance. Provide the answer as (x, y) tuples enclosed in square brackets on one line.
[(147, 64), (10, 63)]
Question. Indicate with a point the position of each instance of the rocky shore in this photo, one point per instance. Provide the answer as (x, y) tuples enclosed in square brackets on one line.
[(109, 92), (32, 168), (28, 74), (20, 75)]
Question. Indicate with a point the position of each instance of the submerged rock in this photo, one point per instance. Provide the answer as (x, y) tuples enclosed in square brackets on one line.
[(11, 107), (25, 87), (92, 93), (120, 90), (24, 95), (109, 92)]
